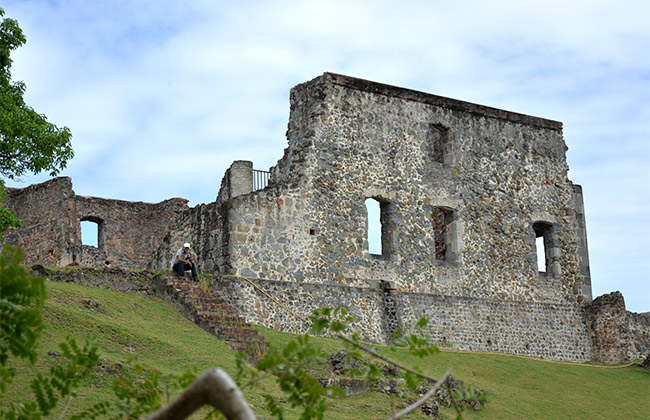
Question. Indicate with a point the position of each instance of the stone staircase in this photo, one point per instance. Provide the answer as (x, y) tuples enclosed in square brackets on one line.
[(211, 312)]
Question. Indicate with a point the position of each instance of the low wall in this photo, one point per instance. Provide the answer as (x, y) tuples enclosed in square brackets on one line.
[(117, 279), (545, 331)]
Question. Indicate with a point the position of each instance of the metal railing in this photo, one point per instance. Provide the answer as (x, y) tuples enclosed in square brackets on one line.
[(260, 179)]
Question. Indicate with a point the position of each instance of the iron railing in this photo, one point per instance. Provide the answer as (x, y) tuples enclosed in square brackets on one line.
[(260, 179)]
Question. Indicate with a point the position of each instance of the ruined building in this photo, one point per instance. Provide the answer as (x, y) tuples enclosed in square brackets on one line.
[(466, 196)]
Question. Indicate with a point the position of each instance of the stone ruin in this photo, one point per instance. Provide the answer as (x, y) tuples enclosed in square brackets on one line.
[(465, 196)]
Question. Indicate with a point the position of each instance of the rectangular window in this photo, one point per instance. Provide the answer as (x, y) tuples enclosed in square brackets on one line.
[(438, 139), (380, 227), (547, 249), (443, 238)]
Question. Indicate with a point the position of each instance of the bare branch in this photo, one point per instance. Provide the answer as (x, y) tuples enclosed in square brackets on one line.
[(214, 388), (385, 359), (422, 400), (65, 408)]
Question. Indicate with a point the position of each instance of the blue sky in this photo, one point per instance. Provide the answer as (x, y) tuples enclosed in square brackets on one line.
[(161, 96)]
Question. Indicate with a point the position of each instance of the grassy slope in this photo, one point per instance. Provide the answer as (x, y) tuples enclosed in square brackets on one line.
[(126, 325)]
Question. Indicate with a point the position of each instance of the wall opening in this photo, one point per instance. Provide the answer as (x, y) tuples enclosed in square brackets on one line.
[(541, 254), (374, 226), (380, 227), (438, 138), (92, 230), (546, 248), (442, 233)]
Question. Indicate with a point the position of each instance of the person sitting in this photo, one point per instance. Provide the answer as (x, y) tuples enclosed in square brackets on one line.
[(184, 261)]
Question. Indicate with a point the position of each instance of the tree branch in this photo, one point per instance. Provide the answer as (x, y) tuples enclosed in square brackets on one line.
[(422, 400), (385, 359), (214, 388)]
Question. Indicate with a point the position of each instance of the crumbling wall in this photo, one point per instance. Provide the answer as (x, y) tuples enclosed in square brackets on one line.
[(640, 331), (609, 328), (463, 190), (129, 232), (50, 232)]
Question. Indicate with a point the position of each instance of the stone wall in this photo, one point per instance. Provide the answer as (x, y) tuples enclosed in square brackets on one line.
[(640, 330), (50, 232), (610, 329), (349, 140), (541, 330), (121, 280), (128, 232)]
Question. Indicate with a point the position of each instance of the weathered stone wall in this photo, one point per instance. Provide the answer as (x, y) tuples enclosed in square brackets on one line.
[(201, 226), (549, 331), (50, 232), (118, 279), (350, 140), (610, 329), (542, 330), (128, 231), (640, 330)]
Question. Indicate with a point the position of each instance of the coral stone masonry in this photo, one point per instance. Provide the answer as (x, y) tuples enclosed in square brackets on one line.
[(468, 197)]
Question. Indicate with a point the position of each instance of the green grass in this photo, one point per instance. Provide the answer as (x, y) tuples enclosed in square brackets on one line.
[(127, 325)]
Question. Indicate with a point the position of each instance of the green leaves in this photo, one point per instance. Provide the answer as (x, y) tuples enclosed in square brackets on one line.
[(418, 340), (335, 320), (21, 297), (11, 37), (288, 365), (62, 380), (28, 142), (58, 384)]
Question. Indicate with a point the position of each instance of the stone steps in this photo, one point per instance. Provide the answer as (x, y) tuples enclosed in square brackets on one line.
[(212, 313)]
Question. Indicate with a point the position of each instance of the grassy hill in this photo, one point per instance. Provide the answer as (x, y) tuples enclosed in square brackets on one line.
[(128, 325)]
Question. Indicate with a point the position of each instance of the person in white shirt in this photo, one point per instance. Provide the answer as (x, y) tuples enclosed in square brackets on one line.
[(183, 261)]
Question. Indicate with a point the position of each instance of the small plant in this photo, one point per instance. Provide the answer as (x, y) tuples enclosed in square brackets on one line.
[(205, 283)]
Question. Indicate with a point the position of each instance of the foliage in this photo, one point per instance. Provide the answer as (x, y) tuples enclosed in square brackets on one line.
[(289, 366), (28, 142), (146, 390), (7, 216), (21, 297)]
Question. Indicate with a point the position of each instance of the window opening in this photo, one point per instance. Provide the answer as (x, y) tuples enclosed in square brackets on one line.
[(374, 226), (541, 254), (90, 233), (438, 137), (380, 225), (442, 220), (544, 246)]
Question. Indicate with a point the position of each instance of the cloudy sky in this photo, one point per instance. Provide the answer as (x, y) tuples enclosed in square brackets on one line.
[(162, 95)]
